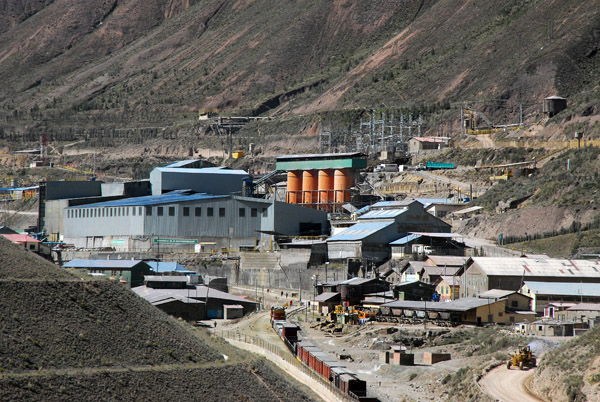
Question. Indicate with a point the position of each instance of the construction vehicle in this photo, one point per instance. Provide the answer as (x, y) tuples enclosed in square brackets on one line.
[(522, 358)]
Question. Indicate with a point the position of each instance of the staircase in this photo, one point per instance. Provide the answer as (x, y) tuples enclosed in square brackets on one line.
[(249, 261)]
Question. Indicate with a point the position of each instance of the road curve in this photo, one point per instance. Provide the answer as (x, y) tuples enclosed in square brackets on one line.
[(507, 385)]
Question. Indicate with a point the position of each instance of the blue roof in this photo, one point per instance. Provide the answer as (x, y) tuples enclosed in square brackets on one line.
[(168, 266), (402, 203), (181, 163), (383, 213), (100, 264), (168, 198), (406, 239), (360, 231)]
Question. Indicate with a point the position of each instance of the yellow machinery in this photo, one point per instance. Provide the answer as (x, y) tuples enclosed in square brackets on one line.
[(522, 358)]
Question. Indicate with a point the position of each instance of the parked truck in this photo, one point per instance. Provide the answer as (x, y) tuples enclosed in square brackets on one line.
[(386, 167)]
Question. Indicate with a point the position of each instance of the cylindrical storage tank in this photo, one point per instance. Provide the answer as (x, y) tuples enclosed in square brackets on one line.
[(309, 187), (294, 187), (342, 181), (325, 188)]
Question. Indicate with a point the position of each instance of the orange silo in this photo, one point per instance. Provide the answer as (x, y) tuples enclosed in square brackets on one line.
[(294, 187), (309, 187), (342, 182), (325, 188)]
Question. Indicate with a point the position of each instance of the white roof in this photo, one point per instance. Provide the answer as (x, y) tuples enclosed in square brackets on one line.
[(538, 267)]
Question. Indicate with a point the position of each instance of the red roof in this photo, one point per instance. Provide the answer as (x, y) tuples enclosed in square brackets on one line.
[(20, 238)]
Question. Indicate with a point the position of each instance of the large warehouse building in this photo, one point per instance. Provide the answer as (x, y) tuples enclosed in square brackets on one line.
[(188, 221)]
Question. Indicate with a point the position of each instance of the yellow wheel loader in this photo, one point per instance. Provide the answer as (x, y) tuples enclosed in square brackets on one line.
[(523, 358)]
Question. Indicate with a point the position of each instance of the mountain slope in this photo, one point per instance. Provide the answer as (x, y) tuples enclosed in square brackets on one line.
[(66, 338), (131, 62)]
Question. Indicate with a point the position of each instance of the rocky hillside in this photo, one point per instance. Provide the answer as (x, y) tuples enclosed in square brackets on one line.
[(65, 337), (571, 372), (70, 66)]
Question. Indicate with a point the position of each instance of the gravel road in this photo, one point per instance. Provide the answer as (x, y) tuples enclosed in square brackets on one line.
[(508, 385)]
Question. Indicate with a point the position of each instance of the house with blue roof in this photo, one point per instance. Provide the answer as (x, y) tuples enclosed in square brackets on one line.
[(376, 227)]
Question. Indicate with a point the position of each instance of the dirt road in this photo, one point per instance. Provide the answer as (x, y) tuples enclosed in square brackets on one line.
[(508, 385)]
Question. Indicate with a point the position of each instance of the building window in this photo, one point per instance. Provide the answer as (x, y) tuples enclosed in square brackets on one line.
[(221, 212), (209, 211), (242, 212), (515, 303), (511, 319), (140, 211), (32, 246), (133, 211), (198, 211), (500, 314), (159, 211), (186, 211), (171, 211), (126, 211), (253, 212), (149, 211), (111, 211)]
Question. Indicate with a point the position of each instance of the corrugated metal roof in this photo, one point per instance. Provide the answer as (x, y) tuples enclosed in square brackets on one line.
[(210, 170), (385, 204), (326, 296), (382, 214), (98, 264), (20, 238), (496, 294), (168, 266), (451, 280), (438, 234), (428, 201), (321, 156), (459, 305), (435, 270), (360, 231), (158, 278), (167, 198), (199, 291), (518, 266), (564, 288), (447, 260), (585, 307), (404, 240)]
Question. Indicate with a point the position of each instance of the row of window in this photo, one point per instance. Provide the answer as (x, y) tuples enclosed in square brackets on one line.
[(160, 211)]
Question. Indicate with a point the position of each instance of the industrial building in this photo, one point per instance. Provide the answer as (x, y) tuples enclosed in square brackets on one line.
[(188, 221), (382, 223), (420, 144), (545, 294), (213, 180), (509, 273), (55, 196), (181, 295), (321, 181)]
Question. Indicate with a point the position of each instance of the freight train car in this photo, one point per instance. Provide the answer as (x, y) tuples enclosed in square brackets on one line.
[(322, 363)]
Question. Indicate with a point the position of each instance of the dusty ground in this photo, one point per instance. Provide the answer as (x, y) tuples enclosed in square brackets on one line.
[(509, 385)]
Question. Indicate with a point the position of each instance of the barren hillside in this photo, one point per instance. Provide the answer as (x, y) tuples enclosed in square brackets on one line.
[(65, 337)]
